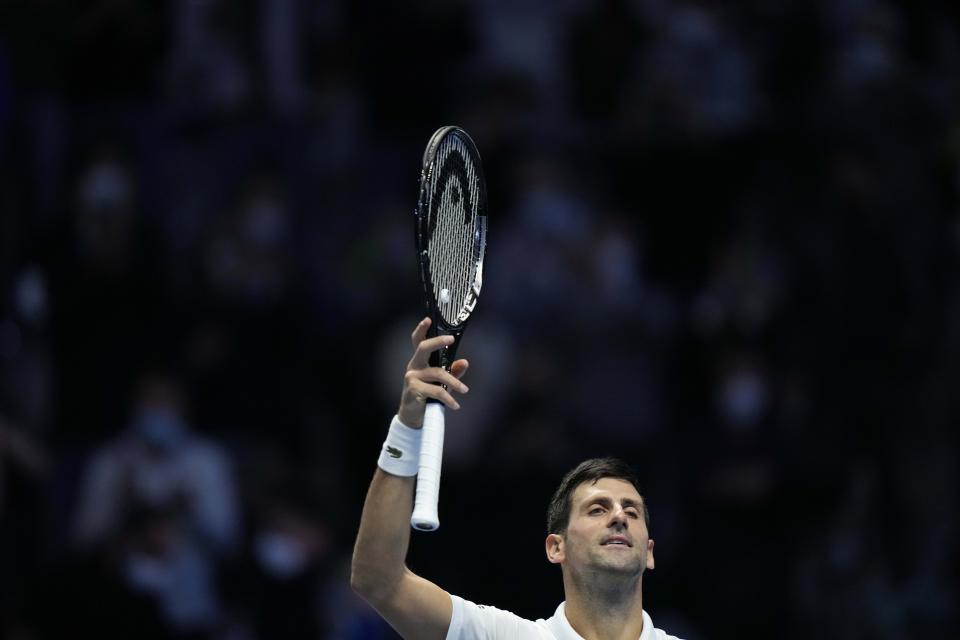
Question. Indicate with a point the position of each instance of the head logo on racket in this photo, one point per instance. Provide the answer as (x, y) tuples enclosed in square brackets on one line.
[(456, 183)]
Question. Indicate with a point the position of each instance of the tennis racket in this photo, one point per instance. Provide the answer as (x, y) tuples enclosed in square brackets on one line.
[(451, 235)]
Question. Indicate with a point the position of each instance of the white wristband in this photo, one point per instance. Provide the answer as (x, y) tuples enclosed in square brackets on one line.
[(400, 455)]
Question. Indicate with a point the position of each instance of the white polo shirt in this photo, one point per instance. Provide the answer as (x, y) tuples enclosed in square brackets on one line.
[(478, 622)]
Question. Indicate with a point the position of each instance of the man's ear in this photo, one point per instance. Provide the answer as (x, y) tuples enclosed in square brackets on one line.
[(556, 552), (650, 562)]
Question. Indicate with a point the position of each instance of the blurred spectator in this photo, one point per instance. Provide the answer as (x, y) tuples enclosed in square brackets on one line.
[(279, 586), (180, 493), (104, 296), (27, 375), (247, 326), (207, 72), (744, 291), (542, 268), (524, 38), (106, 592), (249, 258), (158, 460), (868, 40), (698, 77)]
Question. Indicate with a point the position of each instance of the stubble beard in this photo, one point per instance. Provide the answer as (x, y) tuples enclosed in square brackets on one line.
[(610, 577)]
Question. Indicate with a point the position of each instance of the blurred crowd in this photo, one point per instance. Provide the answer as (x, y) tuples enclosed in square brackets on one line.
[(724, 244)]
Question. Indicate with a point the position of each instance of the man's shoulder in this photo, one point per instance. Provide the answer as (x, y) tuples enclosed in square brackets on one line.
[(471, 621)]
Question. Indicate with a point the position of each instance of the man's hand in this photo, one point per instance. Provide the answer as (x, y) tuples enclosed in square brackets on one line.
[(422, 382)]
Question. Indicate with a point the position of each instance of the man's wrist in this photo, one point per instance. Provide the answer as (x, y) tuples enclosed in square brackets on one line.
[(412, 420), (400, 454)]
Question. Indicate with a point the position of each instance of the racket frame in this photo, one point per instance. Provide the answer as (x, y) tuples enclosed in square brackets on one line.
[(439, 326)]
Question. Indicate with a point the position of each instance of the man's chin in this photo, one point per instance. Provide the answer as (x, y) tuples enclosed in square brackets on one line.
[(625, 566)]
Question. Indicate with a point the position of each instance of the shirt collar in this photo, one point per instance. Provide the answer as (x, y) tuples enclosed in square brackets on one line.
[(563, 631)]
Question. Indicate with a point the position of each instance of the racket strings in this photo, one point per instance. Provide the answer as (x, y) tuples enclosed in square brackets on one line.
[(455, 244)]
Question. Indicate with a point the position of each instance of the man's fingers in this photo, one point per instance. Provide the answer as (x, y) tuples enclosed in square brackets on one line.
[(424, 382), (421, 357), (420, 331), (441, 376), (427, 390)]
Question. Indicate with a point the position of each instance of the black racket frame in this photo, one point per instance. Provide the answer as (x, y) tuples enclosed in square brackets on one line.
[(439, 326)]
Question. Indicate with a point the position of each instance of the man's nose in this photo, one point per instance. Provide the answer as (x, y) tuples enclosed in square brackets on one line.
[(618, 517)]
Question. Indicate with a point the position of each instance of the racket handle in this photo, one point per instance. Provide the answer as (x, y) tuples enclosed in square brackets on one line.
[(425, 516)]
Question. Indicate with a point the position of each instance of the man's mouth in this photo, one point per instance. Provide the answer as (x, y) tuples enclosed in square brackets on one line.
[(617, 540)]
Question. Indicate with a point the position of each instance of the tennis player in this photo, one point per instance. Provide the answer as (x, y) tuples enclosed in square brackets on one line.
[(598, 534)]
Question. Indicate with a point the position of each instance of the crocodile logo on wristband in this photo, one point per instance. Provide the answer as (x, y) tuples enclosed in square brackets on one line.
[(394, 452)]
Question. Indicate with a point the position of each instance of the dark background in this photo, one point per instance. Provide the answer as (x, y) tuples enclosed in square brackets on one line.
[(724, 246)]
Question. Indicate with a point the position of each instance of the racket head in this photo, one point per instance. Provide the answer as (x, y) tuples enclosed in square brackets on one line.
[(451, 232)]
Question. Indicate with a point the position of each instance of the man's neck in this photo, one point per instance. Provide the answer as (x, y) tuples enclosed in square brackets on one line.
[(603, 608)]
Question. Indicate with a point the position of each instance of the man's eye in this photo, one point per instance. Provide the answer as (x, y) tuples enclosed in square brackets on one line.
[(633, 514), (596, 511)]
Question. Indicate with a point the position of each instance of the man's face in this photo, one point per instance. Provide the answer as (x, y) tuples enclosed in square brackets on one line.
[(606, 531)]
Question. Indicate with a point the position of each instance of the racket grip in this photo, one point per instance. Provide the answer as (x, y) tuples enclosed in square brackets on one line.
[(425, 516)]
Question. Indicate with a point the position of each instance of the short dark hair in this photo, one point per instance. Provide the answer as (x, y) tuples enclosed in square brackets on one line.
[(558, 512)]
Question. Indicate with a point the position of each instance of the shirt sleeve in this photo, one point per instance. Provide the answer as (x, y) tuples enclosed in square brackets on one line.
[(479, 622)]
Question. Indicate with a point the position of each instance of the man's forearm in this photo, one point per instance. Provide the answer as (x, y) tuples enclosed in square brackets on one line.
[(380, 552)]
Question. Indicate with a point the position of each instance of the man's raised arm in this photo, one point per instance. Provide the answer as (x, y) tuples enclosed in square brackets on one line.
[(415, 607)]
